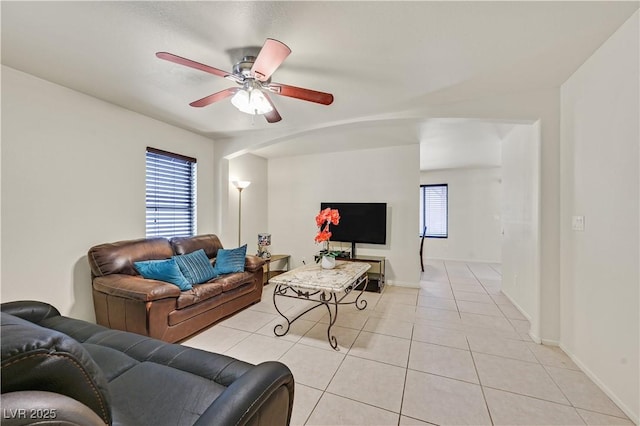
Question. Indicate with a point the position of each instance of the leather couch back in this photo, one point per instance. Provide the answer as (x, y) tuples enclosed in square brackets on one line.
[(209, 243), (118, 258)]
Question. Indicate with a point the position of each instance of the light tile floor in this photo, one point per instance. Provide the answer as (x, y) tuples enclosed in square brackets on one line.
[(454, 351)]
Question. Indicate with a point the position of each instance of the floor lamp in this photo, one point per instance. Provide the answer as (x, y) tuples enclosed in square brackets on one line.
[(240, 185)]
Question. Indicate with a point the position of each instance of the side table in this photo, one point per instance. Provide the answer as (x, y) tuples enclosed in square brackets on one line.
[(284, 258), (377, 273)]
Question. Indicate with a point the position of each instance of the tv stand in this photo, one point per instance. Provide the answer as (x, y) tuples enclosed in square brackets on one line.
[(376, 273)]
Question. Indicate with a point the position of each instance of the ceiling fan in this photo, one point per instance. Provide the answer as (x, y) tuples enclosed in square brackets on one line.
[(253, 75)]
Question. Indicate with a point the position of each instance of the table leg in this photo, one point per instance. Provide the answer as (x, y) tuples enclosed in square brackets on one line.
[(279, 290), (360, 304), (283, 290), (332, 300)]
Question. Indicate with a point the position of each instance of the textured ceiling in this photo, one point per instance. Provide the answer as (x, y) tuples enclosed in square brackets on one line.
[(379, 59)]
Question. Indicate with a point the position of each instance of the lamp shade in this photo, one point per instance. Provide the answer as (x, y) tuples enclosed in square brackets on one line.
[(264, 240), (240, 184), (251, 102)]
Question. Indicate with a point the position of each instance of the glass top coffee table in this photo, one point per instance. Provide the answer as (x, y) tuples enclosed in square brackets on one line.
[(324, 287)]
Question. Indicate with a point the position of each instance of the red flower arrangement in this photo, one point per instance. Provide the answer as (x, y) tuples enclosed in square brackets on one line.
[(325, 218)]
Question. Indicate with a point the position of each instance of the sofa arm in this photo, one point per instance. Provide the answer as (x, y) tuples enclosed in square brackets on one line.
[(36, 358), (30, 310), (261, 396), (135, 287), (253, 263), (45, 408)]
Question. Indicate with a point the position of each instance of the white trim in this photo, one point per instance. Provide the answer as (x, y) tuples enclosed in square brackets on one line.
[(446, 259), (634, 417), (532, 335), (514, 303), (535, 338), (408, 284)]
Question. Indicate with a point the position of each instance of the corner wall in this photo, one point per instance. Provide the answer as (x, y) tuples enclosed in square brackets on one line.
[(520, 223), (474, 215), (600, 181), (73, 176), (297, 186)]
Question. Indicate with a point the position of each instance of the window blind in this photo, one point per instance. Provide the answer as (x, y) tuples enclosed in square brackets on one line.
[(434, 210), (170, 194)]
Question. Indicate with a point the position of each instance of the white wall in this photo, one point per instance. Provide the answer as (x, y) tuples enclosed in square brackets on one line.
[(600, 163), (520, 242), (73, 175), (474, 215), (297, 186)]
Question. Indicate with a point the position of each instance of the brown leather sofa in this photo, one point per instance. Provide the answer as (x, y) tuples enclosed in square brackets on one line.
[(124, 300), (63, 371)]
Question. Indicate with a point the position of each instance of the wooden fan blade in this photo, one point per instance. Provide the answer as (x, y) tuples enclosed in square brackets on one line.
[(272, 116), (218, 96), (301, 93), (192, 64), (272, 54)]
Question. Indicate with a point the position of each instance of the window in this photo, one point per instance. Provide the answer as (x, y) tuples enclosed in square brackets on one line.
[(434, 210), (171, 194)]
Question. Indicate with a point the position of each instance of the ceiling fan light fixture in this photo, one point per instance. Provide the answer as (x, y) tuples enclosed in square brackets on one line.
[(252, 102)]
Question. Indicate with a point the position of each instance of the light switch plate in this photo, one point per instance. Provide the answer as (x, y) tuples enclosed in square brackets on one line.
[(577, 223)]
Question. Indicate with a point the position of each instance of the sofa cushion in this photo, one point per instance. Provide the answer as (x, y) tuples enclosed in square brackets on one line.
[(163, 270), (232, 281), (112, 362), (196, 267), (154, 394), (209, 243), (118, 258), (77, 329), (199, 293), (229, 261)]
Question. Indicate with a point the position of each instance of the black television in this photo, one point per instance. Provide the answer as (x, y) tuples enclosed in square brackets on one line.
[(359, 223)]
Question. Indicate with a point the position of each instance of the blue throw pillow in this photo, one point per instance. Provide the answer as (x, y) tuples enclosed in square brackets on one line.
[(196, 267), (229, 261), (163, 270)]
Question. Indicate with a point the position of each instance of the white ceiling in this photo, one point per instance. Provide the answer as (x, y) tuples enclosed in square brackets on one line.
[(381, 60)]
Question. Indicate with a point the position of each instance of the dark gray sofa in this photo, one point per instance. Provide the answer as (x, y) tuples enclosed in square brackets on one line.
[(59, 370)]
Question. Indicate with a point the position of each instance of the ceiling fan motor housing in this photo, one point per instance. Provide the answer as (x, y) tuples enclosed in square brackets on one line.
[(243, 70), (244, 66)]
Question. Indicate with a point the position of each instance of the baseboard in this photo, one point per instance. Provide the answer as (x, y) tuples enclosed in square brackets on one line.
[(407, 284), (447, 259), (634, 417), (534, 337), (517, 306)]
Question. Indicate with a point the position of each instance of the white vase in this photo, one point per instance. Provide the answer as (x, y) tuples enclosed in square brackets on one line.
[(328, 262)]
